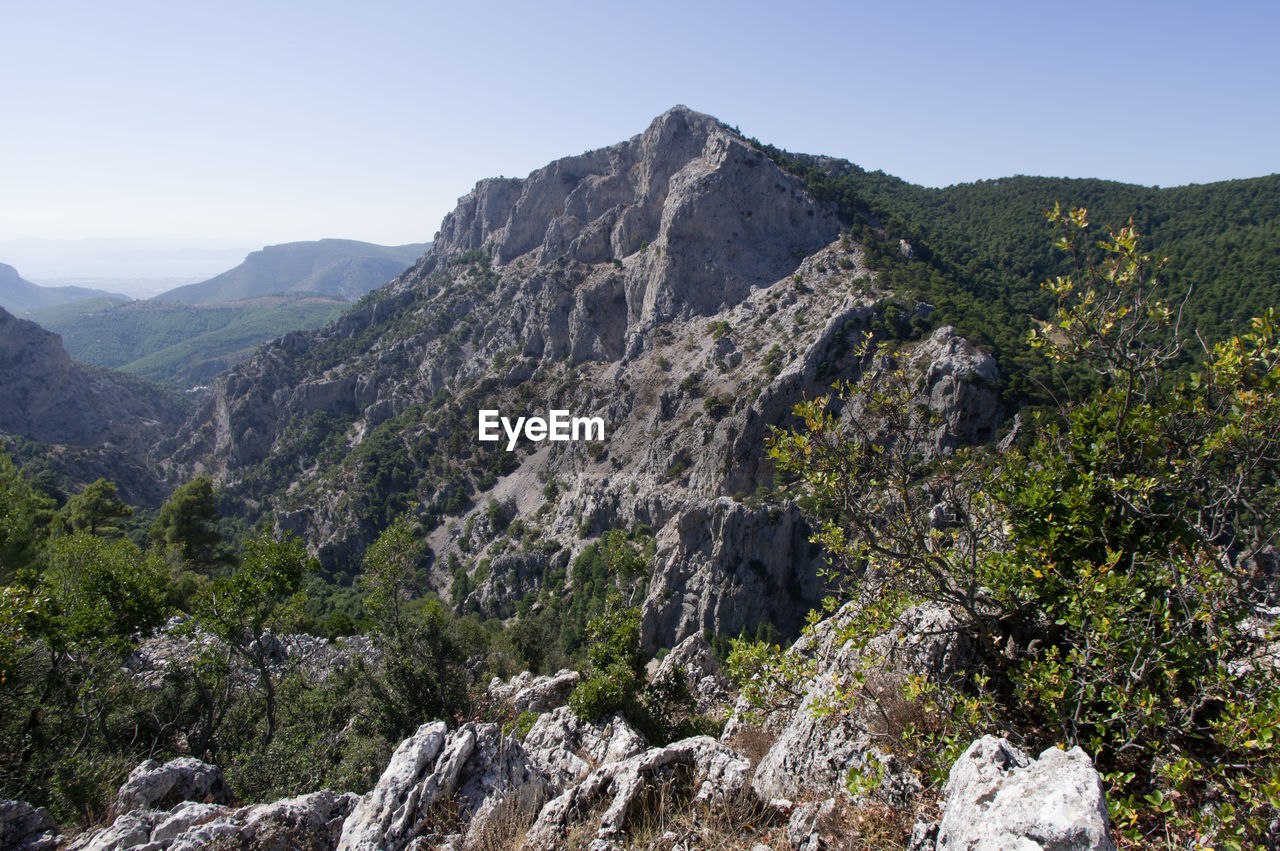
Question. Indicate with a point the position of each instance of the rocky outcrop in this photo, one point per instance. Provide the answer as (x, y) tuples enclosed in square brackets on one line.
[(311, 821), (723, 565), (528, 693), (26, 828), (180, 644), (701, 215), (998, 798), (714, 773), (476, 768), (681, 287), (961, 385), (154, 786), (814, 751), (566, 748), (693, 661)]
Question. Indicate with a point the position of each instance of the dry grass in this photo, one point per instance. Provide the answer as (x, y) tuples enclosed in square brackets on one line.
[(675, 823), (507, 826), (752, 742), (867, 827), (443, 817)]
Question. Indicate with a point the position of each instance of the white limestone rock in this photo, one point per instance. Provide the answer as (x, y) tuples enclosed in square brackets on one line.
[(997, 799), (694, 659), (312, 821), (485, 771), (528, 693), (716, 773), (158, 787), (566, 748)]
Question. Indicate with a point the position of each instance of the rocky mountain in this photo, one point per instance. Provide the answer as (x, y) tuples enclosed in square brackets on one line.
[(21, 296), (678, 285), (101, 423), (673, 297), (343, 268)]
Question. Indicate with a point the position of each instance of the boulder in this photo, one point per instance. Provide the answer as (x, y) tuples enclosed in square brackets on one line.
[(485, 773), (159, 787), (997, 798), (26, 828)]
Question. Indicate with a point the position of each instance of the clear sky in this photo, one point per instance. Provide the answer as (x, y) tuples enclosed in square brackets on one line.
[(275, 121)]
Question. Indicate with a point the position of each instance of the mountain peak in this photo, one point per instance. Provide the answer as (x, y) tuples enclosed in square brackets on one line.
[(691, 214)]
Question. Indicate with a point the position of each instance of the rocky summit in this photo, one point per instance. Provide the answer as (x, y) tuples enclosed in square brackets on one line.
[(680, 286)]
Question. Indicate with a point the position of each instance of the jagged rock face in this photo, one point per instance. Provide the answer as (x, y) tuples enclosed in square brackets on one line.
[(814, 752), (716, 774), (696, 662), (709, 215), (486, 772), (722, 566), (679, 286), (51, 399), (996, 798), (566, 748), (960, 383)]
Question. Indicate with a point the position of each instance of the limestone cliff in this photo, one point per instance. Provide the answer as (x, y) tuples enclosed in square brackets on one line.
[(679, 285)]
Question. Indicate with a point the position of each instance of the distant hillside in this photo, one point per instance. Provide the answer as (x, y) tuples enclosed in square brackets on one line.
[(180, 344), (102, 423), (342, 268), (979, 249), (20, 296)]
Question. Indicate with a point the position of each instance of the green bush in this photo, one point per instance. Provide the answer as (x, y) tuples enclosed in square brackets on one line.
[(1102, 568)]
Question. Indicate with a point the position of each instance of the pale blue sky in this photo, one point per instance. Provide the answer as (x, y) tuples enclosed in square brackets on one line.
[(273, 121)]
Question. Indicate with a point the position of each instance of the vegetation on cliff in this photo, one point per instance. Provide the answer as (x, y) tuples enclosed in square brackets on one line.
[(1112, 568)]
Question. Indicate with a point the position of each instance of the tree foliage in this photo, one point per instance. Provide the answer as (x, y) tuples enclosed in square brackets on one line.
[(96, 510), (248, 607), (188, 520), (1108, 567)]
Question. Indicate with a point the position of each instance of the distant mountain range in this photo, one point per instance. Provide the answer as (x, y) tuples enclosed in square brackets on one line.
[(186, 335), (19, 296), (343, 268)]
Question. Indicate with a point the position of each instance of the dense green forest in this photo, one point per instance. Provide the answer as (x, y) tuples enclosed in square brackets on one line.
[(978, 249)]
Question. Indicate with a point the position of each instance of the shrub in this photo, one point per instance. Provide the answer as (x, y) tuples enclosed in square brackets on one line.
[(1103, 569)]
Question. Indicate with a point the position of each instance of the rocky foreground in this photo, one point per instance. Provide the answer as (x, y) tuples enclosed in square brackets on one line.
[(774, 782)]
